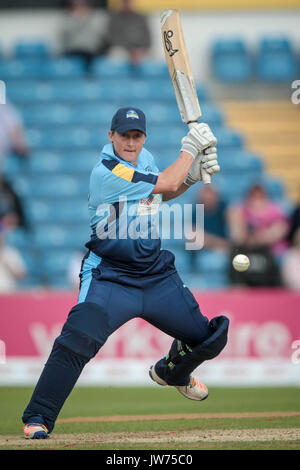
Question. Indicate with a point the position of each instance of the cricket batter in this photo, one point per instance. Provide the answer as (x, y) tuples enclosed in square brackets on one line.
[(125, 273)]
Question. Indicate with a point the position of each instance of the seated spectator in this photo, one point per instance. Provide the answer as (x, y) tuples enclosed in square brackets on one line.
[(11, 210), (12, 266), (215, 230), (129, 31), (258, 228), (12, 134), (12, 139), (259, 222), (84, 31), (290, 267)]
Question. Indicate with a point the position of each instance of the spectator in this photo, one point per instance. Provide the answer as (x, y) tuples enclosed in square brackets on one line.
[(129, 31), (12, 135), (84, 32), (12, 267), (290, 267), (11, 210), (259, 222), (12, 139), (258, 228), (215, 222)]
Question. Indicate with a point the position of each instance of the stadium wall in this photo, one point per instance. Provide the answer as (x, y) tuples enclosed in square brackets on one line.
[(202, 26), (263, 347)]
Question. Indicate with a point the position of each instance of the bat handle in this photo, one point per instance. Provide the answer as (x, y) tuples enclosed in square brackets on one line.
[(205, 176)]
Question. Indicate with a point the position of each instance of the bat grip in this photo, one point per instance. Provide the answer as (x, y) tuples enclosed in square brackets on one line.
[(205, 176)]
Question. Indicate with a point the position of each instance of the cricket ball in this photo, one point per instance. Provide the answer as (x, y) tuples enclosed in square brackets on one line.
[(241, 263)]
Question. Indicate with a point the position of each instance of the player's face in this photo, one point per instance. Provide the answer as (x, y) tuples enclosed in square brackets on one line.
[(129, 145)]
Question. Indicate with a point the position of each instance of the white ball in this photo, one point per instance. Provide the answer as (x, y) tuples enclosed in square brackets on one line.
[(241, 263)]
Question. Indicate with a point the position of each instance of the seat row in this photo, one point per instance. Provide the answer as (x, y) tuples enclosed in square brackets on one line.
[(273, 60)]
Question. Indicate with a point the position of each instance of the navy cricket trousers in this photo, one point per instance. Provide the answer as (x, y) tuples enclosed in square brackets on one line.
[(106, 301)]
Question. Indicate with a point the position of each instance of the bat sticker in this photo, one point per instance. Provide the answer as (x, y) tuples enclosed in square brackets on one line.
[(167, 35)]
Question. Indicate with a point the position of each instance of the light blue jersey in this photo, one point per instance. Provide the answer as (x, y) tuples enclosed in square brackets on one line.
[(124, 213)]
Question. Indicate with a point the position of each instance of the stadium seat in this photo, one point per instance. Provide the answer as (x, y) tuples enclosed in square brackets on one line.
[(63, 67), (57, 261), (150, 69), (107, 67), (228, 139), (29, 91), (276, 60), (19, 238), (54, 236), (14, 165), (165, 136), (231, 61), (54, 186), (182, 260), (45, 211), (31, 49), (241, 162), (274, 187), (11, 69), (69, 137), (32, 68)]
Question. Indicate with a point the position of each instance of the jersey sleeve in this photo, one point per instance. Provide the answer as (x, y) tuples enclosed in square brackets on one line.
[(118, 180)]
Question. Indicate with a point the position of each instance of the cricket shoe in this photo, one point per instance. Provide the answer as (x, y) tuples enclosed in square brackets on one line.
[(195, 390), (35, 431)]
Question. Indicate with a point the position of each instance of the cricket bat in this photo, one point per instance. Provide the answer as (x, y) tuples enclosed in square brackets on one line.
[(180, 72)]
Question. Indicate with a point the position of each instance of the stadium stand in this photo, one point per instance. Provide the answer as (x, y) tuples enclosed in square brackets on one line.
[(66, 115)]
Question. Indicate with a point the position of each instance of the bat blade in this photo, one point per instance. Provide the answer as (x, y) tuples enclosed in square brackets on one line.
[(180, 71), (179, 66)]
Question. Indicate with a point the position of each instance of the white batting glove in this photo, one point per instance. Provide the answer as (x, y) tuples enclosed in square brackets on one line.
[(207, 160), (199, 138)]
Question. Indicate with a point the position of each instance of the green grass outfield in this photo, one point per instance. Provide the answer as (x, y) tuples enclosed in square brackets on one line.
[(160, 418)]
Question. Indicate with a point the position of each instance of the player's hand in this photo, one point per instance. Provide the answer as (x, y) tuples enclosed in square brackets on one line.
[(199, 138), (207, 160)]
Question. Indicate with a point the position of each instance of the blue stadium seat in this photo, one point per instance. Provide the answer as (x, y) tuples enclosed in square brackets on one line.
[(212, 262), (26, 69), (241, 162), (166, 136), (106, 67), (49, 114), (274, 187), (228, 139), (56, 261), (56, 186), (70, 162), (47, 211), (31, 49), (182, 260), (63, 67), (11, 69), (29, 91), (55, 236), (212, 115), (69, 137), (276, 60), (232, 187), (231, 61), (18, 238), (152, 69), (14, 165)]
